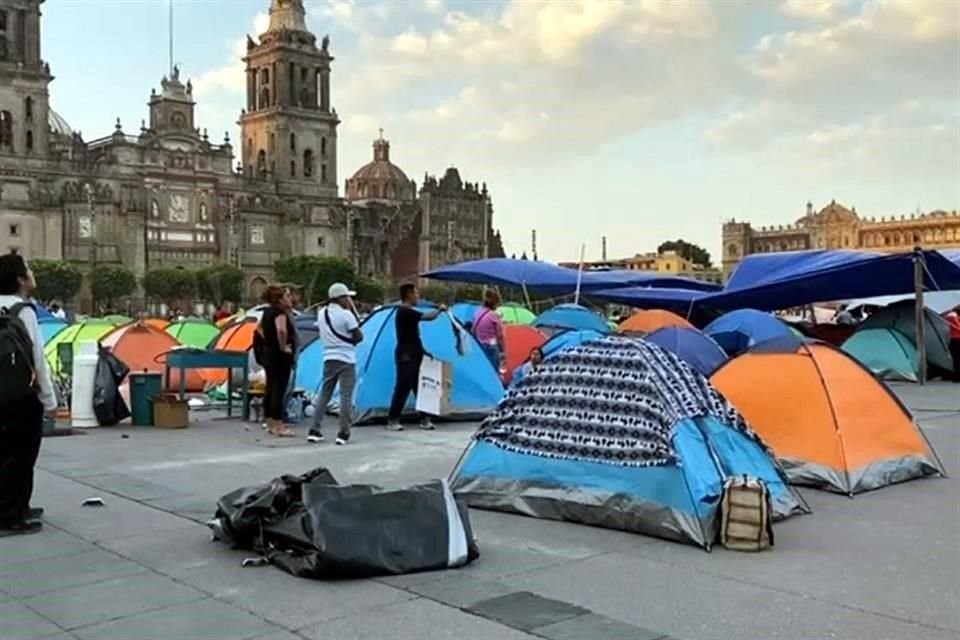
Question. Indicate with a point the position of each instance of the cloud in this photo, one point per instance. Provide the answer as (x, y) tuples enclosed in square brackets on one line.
[(814, 9), (231, 77)]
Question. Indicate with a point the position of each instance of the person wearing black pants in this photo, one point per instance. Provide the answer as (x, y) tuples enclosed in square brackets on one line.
[(276, 331), (21, 415), (409, 354)]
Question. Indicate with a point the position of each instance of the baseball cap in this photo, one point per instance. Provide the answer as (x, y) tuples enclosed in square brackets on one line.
[(338, 290)]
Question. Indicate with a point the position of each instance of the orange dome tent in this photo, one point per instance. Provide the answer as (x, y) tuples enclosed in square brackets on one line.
[(233, 337), (649, 320), (141, 347), (829, 421), (159, 324), (520, 340)]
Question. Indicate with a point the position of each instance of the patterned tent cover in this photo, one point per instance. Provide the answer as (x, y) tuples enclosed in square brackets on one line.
[(620, 433)]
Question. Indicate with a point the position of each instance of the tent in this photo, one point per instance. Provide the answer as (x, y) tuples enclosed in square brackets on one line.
[(306, 326), (143, 348), (51, 326), (886, 352), (519, 340), (117, 319), (830, 422), (616, 433), (739, 330), (88, 331), (650, 320), (514, 314), (234, 337), (193, 332), (476, 386), (309, 374), (571, 316), (692, 346), (566, 339), (464, 312), (160, 324), (901, 316)]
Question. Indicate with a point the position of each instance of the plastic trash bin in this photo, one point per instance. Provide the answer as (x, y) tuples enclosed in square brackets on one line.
[(143, 387)]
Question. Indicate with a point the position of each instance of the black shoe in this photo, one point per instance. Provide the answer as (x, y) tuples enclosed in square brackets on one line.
[(34, 513), (22, 528)]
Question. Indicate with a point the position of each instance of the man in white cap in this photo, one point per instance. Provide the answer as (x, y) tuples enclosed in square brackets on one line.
[(339, 328)]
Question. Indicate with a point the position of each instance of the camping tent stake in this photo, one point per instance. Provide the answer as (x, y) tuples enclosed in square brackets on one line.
[(576, 296), (919, 315)]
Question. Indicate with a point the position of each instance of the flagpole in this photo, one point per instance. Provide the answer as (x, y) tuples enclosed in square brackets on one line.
[(170, 30), (576, 296)]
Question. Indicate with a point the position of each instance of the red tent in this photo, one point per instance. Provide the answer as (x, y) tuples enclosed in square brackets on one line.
[(520, 340)]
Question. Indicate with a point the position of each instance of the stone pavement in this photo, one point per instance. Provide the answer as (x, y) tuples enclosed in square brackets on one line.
[(883, 565)]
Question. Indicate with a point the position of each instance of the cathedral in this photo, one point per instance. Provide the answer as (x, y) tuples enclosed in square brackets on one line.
[(168, 194)]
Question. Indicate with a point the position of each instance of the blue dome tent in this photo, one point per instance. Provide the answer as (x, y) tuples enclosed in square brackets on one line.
[(571, 316), (50, 326), (464, 311), (615, 433), (740, 330), (309, 374), (694, 348), (886, 352), (566, 339), (476, 386), (306, 326)]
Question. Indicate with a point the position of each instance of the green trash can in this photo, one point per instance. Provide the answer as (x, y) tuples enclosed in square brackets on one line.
[(143, 387)]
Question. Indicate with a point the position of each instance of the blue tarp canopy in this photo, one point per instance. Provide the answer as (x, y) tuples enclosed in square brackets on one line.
[(782, 280), (647, 298), (551, 278)]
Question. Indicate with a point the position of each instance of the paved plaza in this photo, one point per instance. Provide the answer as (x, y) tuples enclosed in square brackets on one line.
[(883, 565)]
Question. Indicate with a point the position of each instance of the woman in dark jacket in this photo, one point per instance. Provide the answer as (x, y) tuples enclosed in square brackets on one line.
[(278, 342)]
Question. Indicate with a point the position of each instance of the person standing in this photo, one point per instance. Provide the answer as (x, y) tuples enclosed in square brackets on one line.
[(339, 327), (409, 354), (57, 312), (276, 335), (291, 383), (27, 395), (221, 313), (488, 329)]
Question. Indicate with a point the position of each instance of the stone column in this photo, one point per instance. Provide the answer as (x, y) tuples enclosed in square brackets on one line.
[(324, 75)]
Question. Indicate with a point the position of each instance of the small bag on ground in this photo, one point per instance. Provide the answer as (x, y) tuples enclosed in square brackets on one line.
[(745, 515)]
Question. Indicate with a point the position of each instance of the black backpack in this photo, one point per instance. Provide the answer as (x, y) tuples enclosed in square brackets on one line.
[(16, 357)]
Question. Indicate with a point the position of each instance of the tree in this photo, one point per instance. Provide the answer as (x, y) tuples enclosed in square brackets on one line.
[(314, 274), (56, 280), (220, 283), (369, 291), (171, 286), (692, 252), (109, 283), (438, 294)]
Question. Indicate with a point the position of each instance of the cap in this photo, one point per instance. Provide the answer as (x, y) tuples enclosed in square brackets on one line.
[(338, 290)]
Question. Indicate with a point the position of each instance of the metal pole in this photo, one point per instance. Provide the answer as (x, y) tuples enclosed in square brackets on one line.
[(918, 268), (576, 295)]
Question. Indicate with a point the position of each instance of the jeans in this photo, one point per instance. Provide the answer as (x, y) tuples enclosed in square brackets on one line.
[(21, 428), (408, 379), (492, 352), (345, 373)]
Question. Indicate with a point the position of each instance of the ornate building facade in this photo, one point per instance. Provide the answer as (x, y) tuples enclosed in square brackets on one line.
[(169, 195), (837, 227)]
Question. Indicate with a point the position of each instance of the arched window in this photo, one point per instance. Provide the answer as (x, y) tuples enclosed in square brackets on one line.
[(28, 108), (3, 36), (293, 169), (261, 162), (6, 129), (733, 250), (272, 145), (308, 163), (293, 142), (29, 140), (249, 151), (323, 147), (323, 172)]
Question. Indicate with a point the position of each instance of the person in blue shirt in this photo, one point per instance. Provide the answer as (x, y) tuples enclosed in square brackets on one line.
[(536, 357)]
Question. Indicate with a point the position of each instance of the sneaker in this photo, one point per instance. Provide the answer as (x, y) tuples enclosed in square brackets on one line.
[(427, 425), (34, 512), (314, 436), (341, 441), (22, 528), (393, 425)]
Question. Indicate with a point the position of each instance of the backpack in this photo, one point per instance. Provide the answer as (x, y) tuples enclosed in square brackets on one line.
[(16, 357), (745, 520)]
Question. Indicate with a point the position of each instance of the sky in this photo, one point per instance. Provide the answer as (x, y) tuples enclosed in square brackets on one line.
[(638, 120)]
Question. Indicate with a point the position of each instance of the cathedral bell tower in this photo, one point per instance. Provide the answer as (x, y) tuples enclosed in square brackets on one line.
[(289, 130), (24, 101)]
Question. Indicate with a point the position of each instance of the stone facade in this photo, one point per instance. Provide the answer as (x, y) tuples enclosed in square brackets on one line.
[(167, 194), (837, 227)]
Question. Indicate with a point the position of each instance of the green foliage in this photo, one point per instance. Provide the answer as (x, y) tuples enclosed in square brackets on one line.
[(692, 252), (369, 291), (220, 283), (170, 285), (314, 274), (109, 283), (56, 280), (438, 294)]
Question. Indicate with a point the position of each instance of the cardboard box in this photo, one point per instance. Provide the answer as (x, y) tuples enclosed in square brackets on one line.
[(169, 412), (435, 387)]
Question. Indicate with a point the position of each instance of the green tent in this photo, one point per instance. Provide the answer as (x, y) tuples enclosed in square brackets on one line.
[(116, 319), (193, 332), (89, 331), (886, 352), (516, 314)]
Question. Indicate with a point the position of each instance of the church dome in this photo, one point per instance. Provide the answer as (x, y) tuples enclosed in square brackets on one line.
[(57, 124), (380, 179)]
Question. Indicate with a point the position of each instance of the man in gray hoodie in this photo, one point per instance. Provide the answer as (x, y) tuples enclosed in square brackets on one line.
[(21, 415)]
